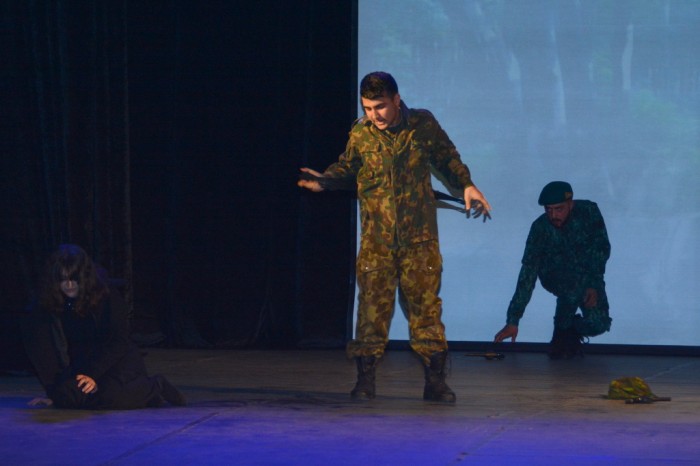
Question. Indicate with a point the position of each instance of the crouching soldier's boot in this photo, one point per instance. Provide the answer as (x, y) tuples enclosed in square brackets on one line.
[(574, 343), (557, 346), (435, 387), (566, 344), (366, 369)]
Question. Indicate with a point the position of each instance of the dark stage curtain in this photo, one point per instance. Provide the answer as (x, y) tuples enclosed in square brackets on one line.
[(165, 138), (228, 101), (65, 169)]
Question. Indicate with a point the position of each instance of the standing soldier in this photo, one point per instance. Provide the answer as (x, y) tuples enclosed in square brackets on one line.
[(390, 153), (567, 248)]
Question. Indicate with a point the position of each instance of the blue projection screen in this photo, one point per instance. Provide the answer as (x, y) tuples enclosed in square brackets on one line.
[(603, 94)]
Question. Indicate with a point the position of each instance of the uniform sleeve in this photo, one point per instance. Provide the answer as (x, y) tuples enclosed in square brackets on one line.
[(445, 157), (526, 278), (348, 164), (114, 336), (597, 250), (523, 292)]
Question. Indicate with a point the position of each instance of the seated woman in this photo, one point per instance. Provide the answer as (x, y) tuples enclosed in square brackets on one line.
[(77, 338)]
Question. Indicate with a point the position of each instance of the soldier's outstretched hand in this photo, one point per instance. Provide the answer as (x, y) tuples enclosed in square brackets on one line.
[(314, 186)]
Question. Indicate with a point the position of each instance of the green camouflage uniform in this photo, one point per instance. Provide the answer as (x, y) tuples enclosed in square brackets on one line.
[(567, 260), (399, 239)]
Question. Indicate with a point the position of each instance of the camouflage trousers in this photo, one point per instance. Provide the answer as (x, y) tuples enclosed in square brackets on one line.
[(592, 321), (416, 272)]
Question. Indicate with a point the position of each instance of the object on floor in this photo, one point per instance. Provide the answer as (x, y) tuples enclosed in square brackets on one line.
[(633, 390)]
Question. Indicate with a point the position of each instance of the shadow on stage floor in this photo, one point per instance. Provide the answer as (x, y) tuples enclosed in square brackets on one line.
[(293, 407)]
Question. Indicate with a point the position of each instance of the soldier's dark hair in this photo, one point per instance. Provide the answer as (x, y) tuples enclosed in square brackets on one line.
[(378, 84)]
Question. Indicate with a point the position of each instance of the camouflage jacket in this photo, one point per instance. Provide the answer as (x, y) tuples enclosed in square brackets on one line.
[(392, 168), (567, 260)]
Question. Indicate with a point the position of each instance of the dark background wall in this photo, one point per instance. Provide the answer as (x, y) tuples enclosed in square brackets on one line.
[(165, 138)]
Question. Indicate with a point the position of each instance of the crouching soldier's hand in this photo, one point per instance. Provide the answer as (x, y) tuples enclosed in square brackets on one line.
[(509, 331)]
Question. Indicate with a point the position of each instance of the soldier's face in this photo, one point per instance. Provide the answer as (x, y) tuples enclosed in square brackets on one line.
[(383, 112), (558, 214)]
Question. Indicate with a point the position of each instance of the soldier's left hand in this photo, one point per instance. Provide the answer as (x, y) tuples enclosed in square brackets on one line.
[(478, 210), (473, 199)]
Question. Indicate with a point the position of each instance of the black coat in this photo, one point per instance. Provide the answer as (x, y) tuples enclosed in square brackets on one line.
[(99, 346)]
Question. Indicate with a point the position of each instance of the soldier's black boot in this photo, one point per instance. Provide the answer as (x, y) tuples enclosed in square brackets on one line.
[(435, 387), (366, 371), (566, 344), (557, 347), (574, 343)]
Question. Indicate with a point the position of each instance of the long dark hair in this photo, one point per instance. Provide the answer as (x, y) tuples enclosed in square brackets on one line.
[(71, 262)]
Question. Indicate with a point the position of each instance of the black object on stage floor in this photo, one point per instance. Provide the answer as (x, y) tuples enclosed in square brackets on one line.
[(489, 355)]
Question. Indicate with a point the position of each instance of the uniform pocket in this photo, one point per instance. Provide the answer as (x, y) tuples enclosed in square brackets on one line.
[(425, 257), (371, 260)]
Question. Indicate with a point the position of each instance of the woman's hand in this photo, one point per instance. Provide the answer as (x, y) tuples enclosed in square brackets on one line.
[(86, 383)]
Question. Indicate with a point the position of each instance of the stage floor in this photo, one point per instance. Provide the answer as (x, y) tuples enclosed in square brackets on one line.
[(293, 407)]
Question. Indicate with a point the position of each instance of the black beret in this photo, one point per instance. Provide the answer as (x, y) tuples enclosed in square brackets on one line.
[(556, 192)]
